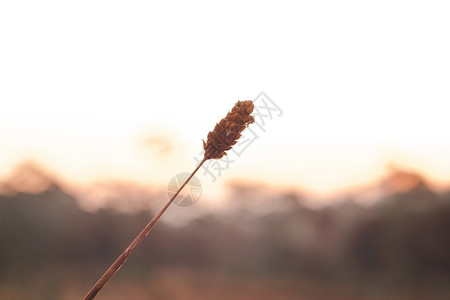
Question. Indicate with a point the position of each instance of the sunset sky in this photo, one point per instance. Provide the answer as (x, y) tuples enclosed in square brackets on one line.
[(127, 90)]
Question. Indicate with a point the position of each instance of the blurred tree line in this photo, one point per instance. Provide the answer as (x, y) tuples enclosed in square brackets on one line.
[(402, 240)]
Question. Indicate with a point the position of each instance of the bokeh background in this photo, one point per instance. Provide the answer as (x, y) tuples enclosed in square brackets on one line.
[(340, 191)]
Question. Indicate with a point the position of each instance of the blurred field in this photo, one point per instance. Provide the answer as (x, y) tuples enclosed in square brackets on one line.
[(397, 248)]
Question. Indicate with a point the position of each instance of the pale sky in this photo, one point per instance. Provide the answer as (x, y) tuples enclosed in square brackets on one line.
[(127, 89)]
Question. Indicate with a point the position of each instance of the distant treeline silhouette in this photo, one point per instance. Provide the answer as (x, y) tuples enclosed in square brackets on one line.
[(402, 239)]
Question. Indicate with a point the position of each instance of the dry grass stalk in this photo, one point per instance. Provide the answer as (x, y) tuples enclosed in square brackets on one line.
[(221, 139)]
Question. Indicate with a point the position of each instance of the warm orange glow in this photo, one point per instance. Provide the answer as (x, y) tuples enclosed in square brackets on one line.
[(120, 100)]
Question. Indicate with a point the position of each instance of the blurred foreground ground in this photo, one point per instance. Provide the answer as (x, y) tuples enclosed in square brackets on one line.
[(397, 248)]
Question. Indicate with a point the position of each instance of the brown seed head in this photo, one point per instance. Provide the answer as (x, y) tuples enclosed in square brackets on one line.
[(228, 130)]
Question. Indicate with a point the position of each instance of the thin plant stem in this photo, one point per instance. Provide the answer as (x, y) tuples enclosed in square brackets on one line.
[(125, 254)]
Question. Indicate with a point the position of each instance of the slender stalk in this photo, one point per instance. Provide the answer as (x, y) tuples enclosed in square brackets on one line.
[(221, 139), (125, 254)]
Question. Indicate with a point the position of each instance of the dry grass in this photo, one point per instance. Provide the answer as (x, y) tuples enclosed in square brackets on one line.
[(228, 130), (221, 139)]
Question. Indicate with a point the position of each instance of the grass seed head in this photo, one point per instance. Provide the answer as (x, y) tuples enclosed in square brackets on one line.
[(228, 130)]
